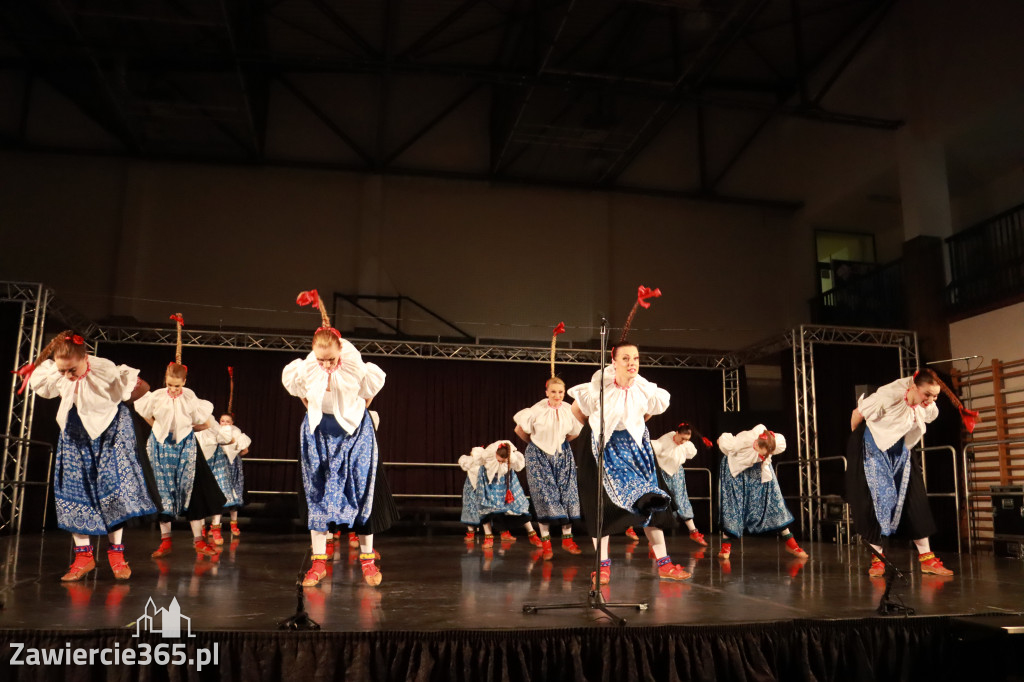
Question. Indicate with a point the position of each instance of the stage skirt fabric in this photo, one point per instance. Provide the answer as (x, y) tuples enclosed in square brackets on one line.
[(470, 504), (98, 483), (632, 494), (750, 506), (492, 497), (885, 490), (174, 470), (225, 472), (677, 488), (553, 488), (339, 472)]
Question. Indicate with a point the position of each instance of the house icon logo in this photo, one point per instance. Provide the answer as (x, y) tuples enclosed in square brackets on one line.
[(167, 622)]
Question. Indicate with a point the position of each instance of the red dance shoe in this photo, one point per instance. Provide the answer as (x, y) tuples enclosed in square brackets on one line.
[(82, 564)]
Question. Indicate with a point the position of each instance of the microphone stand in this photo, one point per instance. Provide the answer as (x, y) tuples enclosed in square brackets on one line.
[(889, 605), (595, 600)]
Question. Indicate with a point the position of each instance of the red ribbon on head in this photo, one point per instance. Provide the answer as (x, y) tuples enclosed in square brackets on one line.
[(766, 434), (24, 372), (179, 319), (172, 362), (707, 441), (643, 293), (331, 330), (560, 329), (683, 425), (310, 298), (75, 339)]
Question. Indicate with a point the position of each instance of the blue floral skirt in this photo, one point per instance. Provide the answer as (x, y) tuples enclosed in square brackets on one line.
[(174, 469), (677, 487), (470, 504), (632, 495), (553, 489), (493, 495), (339, 472), (750, 506), (229, 477), (98, 483)]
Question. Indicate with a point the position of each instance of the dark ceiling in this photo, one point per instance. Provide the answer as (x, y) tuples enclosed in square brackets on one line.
[(566, 93)]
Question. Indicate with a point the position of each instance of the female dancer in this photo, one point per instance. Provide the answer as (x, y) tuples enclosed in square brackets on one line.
[(631, 492), (750, 495), (546, 428), (884, 485), (98, 482), (338, 446), (184, 482), (673, 449)]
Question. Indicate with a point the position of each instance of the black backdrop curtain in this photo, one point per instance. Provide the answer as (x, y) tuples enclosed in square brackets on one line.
[(431, 410)]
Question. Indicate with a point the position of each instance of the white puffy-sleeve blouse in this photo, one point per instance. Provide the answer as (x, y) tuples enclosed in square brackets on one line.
[(671, 456), (341, 392), (471, 464), (210, 438), (547, 426), (489, 459), (96, 394), (890, 417), (174, 415), (742, 455), (242, 442), (624, 408)]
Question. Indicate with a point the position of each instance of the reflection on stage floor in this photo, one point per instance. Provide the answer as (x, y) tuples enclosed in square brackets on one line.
[(441, 583)]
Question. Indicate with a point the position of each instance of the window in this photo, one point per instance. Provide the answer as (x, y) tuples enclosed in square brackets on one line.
[(843, 256)]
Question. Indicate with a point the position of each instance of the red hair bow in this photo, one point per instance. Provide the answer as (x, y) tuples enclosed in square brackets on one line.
[(643, 293), (179, 319), (331, 330), (707, 442), (560, 329), (310, 298), (766, 434), (75, 339), (25, 372), (970, 418), (231, 372)]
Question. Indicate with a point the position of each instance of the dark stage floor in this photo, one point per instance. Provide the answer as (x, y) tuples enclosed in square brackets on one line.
[(440, 584)]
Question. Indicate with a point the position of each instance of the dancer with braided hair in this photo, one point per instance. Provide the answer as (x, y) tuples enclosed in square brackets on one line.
[(673, 449), (497, 497), (546, 428), (98, 482), (184, 482), (338, 447), (632, 496), (751, 499), (225, 462), (884, 483)]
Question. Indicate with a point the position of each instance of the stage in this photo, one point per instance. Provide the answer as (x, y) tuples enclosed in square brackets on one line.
[(445, 606)]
